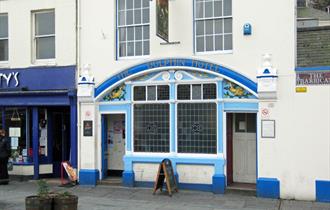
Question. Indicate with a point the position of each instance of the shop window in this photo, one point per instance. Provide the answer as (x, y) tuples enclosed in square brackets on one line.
[(3, 37), (197, 132), (44, 34), (245, 123), (213, 25), (151, 93), (151, 128), (197, 91), (18, 130), (133, 28)]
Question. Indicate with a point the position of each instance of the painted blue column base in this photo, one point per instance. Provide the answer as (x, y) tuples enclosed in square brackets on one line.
[(128, 178), (268, 188), (322, 190), (218, 184), (88, 176)]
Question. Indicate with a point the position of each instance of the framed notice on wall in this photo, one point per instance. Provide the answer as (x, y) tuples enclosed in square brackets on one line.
[(268, 128), (88, 128)]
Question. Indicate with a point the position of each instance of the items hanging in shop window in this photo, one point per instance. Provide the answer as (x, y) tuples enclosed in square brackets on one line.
[(15, 116)]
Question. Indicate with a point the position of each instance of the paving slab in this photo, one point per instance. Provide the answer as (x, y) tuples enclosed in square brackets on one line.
[(104, 197)]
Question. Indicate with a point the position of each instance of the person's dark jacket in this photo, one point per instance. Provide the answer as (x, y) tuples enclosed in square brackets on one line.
[(4, 148)]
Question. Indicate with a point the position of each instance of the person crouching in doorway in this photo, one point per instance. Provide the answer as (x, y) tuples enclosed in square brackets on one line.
[(4, 155)]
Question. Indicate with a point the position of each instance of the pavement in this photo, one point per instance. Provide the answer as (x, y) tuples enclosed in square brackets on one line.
[(121, 198)]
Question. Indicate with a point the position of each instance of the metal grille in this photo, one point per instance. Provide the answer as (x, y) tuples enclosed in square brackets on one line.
[(151, 128), (197, 131)]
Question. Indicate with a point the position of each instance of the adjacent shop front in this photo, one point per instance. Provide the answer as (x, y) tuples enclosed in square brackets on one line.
[(38, 112)]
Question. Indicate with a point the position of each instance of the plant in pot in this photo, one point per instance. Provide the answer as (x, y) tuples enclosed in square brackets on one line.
[(65, 201), (41, 201)]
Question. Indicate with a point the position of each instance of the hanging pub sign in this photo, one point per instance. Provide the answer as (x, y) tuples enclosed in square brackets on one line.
[(88, 128), (313, 78), (162, 19)]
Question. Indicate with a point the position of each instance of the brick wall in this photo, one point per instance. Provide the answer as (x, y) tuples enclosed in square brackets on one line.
[(313, 46)]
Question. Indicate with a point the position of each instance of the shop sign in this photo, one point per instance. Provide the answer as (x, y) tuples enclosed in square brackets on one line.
[(162, 19), (7, 78), (88, 128), (313, 78)]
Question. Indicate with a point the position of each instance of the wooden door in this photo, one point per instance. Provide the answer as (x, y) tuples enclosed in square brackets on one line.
[(244, 148)]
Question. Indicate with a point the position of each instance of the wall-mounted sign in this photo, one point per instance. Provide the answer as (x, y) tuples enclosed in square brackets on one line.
[(7, 78), (268, 128), (301, 89), (313, 78), (88, 128), (162, 19)]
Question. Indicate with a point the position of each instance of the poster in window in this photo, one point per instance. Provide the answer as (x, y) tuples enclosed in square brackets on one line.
[(162, 19), (14, 132), (88, 128), (268, 128)]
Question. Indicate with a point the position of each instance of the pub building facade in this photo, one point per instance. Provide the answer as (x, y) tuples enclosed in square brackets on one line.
[(38, 99), (210, 85)]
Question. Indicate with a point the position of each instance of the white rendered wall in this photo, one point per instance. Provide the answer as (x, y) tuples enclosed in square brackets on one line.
[(20, 31), (145, 172), (300, 152), (195, 174)]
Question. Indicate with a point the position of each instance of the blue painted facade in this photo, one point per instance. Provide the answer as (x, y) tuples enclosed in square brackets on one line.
[(268, 188), (322, 188), (35, 89), (201, 71)]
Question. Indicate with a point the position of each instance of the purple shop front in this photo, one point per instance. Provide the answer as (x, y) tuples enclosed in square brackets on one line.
[(39, 114)]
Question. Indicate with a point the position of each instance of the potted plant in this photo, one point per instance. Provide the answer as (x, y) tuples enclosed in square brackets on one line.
[(65, 201), (41, 201)]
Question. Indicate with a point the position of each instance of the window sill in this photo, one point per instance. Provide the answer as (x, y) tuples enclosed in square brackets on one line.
[(224, 52), (133, 57), (4, 64), (45, 62)]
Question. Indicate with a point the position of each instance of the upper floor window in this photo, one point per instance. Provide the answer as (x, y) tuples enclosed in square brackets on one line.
[(213, 25), (133, 27), (44, 34), (3, 37)]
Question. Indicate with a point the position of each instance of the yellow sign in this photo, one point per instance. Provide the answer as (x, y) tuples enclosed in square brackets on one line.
[(301, 89)]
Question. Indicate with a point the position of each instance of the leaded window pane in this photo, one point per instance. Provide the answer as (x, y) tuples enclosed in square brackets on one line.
[(138, 48), (197, 132), (137, 3), (163, 92), (209, 43), (200, 44), (218, 42), (209, 91), (139, 93), (129, 4), (209, 27), (130, 48), (151, 128), (217, 8), (196, 92), (152, 93), (199, 28), (228, 25), (183, 92), (137, 16)]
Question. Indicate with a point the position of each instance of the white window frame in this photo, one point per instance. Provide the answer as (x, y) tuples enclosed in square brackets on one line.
[(150, 102), (177, 101), (223, 31), (118, 27), (35, 61), (5, 63)]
